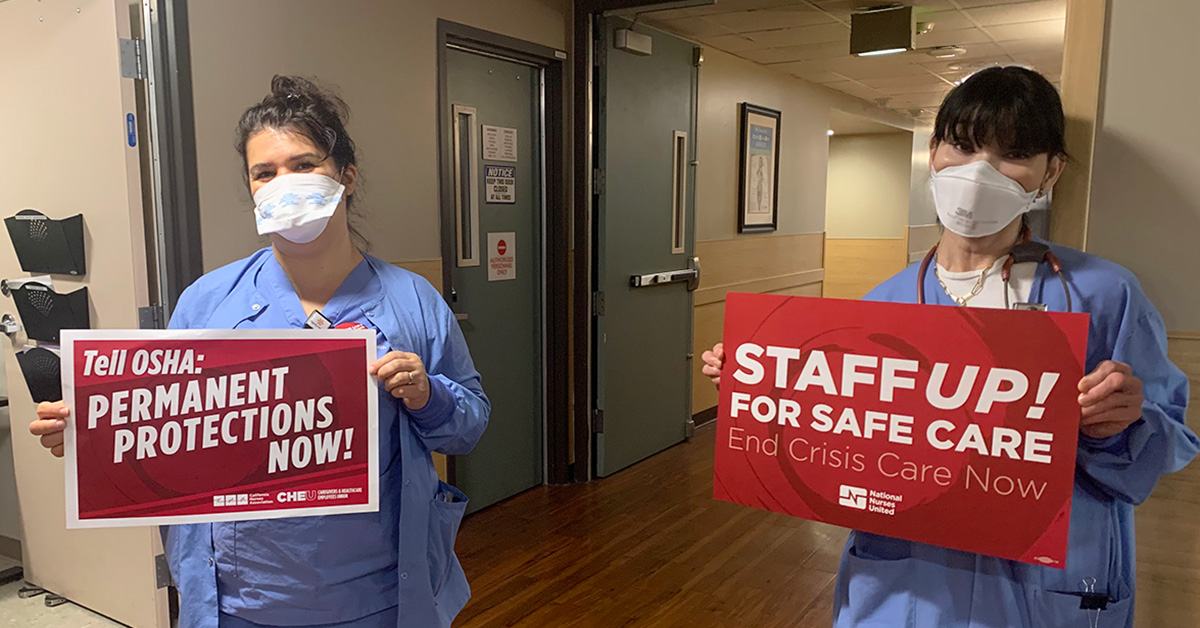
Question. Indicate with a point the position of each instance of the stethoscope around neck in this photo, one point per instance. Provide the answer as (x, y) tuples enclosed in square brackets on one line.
[(1025, 250)]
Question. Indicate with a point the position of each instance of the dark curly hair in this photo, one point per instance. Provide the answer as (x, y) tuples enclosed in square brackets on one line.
[(298, 105)]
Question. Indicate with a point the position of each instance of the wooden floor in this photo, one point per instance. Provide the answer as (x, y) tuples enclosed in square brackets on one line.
[(646, 547), (650, 547)]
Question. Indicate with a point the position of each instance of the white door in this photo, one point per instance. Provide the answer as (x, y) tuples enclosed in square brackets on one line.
[(64, 114)]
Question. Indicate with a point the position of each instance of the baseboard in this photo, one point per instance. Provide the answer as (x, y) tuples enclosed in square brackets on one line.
[(10, 548), (704, 417)]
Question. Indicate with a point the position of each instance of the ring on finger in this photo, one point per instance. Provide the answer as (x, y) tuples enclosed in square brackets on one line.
[(410, 378)]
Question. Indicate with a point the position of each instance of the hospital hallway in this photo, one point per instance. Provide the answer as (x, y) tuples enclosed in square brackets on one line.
[(651, 547), (648, 546)]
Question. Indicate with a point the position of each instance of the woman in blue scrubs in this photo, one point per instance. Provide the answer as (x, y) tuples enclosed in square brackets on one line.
[(997, 146), (390, 569)]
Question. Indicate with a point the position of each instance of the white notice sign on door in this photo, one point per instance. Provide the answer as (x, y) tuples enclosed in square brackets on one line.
[(502, 256), (501, 184), (499, 143)]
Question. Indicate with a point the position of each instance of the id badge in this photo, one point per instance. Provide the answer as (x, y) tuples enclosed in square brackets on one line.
[(317, 320)]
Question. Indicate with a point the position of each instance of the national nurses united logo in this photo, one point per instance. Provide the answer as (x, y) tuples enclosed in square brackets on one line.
[(852, 497)]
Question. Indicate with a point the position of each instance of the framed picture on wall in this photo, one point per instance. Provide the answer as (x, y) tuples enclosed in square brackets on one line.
[(758, 208)]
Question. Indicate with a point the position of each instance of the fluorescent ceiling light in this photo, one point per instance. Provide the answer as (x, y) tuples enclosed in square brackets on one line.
[(876, 53)]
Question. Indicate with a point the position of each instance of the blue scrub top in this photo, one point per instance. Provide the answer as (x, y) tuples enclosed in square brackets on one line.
[(891, 583), (311, 570), (395, 567)]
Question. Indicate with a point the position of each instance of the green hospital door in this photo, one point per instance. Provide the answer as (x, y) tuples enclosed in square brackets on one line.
[(496, 267), (644, 247)]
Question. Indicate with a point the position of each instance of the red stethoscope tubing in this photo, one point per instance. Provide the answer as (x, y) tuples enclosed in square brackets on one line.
[(1005, 273)]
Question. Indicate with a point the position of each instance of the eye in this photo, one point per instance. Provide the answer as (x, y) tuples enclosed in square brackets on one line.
[(964, 147), (305, 167), (264, 175), (1017, 156)]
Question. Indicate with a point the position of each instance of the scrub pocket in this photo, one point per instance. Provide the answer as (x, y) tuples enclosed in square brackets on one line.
[(445, 514), (1061, 610), (878, 591)]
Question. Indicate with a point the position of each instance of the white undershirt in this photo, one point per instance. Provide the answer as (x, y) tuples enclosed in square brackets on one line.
[(992, 293)]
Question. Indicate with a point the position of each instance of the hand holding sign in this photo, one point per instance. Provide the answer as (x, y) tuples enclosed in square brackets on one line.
[(50, 424), (1111, 398), (404, 376)]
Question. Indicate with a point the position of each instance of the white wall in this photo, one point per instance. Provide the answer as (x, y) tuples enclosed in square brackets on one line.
[(725, 82), (868, 188), (381, 56), (1145, 198), (920, 201)]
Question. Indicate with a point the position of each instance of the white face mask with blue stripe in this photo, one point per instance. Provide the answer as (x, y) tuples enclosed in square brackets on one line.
[(297, 206)]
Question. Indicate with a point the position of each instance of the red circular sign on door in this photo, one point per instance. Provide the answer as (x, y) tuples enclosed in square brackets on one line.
[(502, 247)]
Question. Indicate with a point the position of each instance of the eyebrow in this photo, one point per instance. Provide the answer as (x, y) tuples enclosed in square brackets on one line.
[(292, 158)]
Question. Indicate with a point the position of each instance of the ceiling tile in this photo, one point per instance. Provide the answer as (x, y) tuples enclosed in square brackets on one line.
[(946, 20), (970, 4), (732, 43), (907, 84), (769, 19), (854, 69), (798, 53), (802, 35), (858, 90), (691, 27), (1018, 13), (1046, 30), (720, 6), (859, 5), (959, 37)]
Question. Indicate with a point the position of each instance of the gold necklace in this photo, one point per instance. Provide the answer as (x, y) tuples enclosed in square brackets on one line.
[(974, 291)]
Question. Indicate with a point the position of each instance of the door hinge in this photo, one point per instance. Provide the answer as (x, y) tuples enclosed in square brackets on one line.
[(597, 421), (697, 56), (598, 181), (152, 317), (162, 572), (133, 59), (689, 429), (597, 304)]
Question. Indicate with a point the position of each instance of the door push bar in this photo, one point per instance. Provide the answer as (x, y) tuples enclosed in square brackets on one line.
[(691, 275)]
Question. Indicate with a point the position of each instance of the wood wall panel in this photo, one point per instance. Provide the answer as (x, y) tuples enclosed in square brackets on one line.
[(1083, 69), (430, 269), (747, 258), (1168, 547), (853, 267), (789, 264)]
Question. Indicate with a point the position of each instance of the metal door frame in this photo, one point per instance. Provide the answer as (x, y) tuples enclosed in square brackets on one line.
[(583, 303), (167, 70), (556, 226)]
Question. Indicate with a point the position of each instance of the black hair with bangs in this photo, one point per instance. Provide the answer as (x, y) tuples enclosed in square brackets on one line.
[(1016, 108)]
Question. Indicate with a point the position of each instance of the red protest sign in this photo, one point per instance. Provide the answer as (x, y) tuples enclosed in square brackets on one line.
[(192, 426), (944, 425)]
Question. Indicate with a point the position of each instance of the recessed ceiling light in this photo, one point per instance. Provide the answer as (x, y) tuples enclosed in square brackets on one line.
[(946, 52), (831, 132)]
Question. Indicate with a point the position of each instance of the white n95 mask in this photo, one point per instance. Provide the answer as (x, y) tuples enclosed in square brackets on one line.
[(297, 206), (976, 200)]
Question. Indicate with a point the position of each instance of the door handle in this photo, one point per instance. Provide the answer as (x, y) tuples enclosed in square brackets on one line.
[(691, 275), (459, 316)]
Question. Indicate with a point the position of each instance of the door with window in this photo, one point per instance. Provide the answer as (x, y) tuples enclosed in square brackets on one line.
[(496, 263), (645, 230)]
